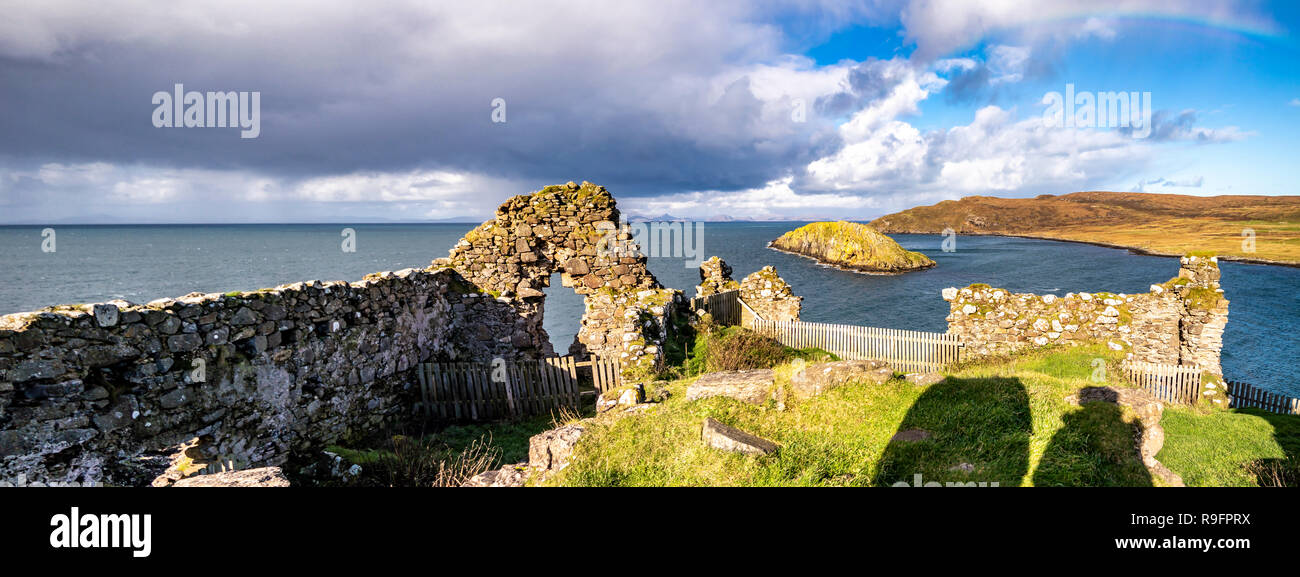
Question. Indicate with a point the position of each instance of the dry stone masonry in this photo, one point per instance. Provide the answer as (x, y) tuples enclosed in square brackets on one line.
[(107, 392), (769, 296), (573, 230), (715, 277), (114, 392), (1179, 322)]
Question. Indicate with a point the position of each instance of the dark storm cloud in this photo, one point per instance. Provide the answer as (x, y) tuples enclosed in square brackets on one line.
[(609, 100)]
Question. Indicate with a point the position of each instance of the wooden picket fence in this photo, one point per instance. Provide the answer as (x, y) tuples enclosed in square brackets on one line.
[(468, 391), (724, 307), (905, 351), (1242, 395), (1180, 384), (606, 374)]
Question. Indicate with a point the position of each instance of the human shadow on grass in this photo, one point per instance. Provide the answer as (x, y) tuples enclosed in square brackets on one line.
[(1095, 447), (961, 432), (1279, 472)]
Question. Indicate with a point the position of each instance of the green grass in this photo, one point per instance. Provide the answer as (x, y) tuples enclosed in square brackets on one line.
[(1006, 418), (1226, 448)]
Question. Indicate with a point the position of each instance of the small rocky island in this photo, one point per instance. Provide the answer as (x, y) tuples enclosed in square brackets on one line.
[(852, 246)]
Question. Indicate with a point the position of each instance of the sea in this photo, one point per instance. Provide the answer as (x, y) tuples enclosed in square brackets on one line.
[(140, 263)]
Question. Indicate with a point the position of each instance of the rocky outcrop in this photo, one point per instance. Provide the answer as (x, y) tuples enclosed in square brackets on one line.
[(816, 379), (752, 386), (1148, 410), (263, 477), (851, 246), (722, 437)]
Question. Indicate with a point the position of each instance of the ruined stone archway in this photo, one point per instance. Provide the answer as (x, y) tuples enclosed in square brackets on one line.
[(573, 230)]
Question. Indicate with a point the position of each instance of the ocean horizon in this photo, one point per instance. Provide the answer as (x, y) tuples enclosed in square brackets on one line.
[(140, 263)]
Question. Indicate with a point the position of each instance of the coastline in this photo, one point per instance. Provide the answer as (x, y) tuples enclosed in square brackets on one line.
[(843, 268), (1132, 249)]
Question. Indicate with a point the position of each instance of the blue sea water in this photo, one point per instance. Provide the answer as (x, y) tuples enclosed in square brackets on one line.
[(142, 263)]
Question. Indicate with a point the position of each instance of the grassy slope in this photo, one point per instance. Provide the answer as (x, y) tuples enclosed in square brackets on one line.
[(1159, 223), (1008, 420), (1215, 448), (851, 245)]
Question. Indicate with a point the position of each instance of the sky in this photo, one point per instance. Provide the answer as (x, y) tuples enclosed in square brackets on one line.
[(416, 110)]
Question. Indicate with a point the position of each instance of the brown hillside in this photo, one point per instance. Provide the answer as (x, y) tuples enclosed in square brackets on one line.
[(1156, 223)]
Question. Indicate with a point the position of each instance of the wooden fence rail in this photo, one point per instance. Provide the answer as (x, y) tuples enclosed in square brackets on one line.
[(724, 307), (906, 351), (606, 374), (1180, 384), (486, 391), (1244, 395)]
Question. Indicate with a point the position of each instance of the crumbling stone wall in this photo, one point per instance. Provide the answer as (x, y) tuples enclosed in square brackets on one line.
[(110, 392), (1177, 322), (573, 230), (768, 295), (105, 392), (715, 277), (994, 321)]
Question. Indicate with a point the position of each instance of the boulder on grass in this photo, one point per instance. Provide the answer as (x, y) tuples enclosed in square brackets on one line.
[(750, 386), (550, 450), (924, 379), (821, 377), (720, 436), (263, 477), (507, 476)]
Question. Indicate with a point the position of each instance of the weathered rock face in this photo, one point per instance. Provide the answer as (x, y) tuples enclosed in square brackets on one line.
[(1178, 322), (769, 296), (715, 277), (573, 230), (725, 438), (263, 477), (816, 379), (851, 245), (749, 386)]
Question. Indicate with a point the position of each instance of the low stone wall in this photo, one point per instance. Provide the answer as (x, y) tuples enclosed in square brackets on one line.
[(104, 392), (1178, 322)]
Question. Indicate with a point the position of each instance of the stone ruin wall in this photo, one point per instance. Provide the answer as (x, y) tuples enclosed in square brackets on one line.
[(105, 392), (110, 392), (764, 292), (1177, 322), (573, 230), (769, 296)]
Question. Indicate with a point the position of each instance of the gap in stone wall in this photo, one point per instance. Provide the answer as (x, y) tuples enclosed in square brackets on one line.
[(563, 318)]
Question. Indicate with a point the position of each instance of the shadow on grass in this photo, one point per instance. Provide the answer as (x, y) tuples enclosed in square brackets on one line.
[(1279, 472), (1094, 447), (969, 431)]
